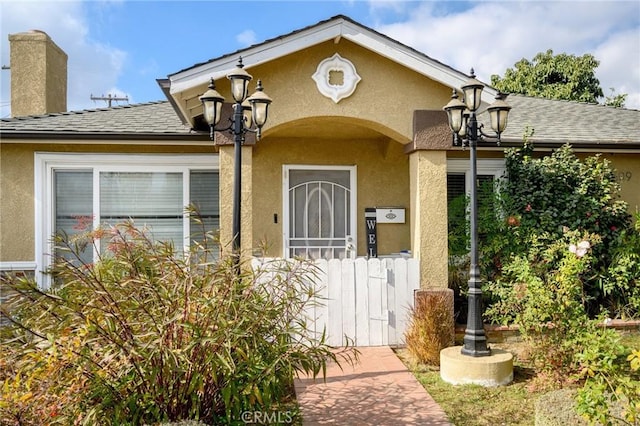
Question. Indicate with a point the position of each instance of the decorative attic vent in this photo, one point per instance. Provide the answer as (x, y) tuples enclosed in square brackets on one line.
[(336, 78)]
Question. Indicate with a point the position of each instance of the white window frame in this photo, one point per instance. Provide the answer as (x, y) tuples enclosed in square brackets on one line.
[(485, 166), (46, 163), (353, 170)]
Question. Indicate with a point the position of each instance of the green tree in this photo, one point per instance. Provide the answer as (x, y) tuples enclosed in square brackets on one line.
[(614, 100), (562, 76)]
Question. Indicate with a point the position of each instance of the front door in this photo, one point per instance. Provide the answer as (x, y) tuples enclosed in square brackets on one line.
[(319, 212)]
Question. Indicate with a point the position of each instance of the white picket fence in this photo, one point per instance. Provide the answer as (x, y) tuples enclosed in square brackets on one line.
[(366, 301)]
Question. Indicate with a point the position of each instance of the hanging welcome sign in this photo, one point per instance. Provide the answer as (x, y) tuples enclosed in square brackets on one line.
[(372, 232)]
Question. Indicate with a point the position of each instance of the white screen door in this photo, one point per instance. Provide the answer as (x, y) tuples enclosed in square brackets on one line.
[(319, 212)]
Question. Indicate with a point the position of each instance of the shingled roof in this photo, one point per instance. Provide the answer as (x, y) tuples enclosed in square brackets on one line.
[(557, 122), (152, 119), (554, 123)]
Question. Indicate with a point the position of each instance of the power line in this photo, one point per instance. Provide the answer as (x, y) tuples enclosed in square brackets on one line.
[(109, 99)]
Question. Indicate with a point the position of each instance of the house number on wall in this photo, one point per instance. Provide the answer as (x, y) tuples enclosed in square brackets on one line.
[(624, 176), (336, 78)]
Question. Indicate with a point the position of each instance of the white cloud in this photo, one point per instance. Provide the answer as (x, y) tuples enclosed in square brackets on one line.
[(492, 37), (92, 67), (489, 36), (618, 69), (246, 38)]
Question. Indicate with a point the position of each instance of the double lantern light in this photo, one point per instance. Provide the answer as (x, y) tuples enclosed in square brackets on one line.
[(466, 131), (249, 115), (462, 115), (253, 109)]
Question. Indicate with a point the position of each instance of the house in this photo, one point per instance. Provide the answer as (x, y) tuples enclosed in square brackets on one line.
[(368, 132)]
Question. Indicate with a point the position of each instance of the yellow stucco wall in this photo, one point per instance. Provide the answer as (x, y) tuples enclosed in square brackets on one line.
[(17, 215), (385, 98), (627, 168), (428, 171), (382, 180), (17, 227)]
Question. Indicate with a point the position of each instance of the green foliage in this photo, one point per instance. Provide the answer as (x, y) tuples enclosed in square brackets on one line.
[(619, 280), (145, 335), (458, 239), (611, 374), (559, 252), (542, 293), (458, 226), (538, 202), (560, 190), (544, 197), (431, 326), (561, 76), (616, 101)]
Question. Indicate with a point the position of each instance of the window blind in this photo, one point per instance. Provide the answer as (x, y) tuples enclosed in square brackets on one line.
[(204, 195), (150, 200), (73, 206)]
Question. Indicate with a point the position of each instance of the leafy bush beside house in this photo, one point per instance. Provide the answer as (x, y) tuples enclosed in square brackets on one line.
[(146, 335), (558, 192), (561, 254), (539, 200), (544, 292)]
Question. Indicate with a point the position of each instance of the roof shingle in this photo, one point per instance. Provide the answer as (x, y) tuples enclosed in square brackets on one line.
[(556, 121), (147, 118)]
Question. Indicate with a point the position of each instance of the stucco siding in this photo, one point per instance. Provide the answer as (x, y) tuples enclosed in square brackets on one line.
[(382, 180), (17, 221), (17, 198), (386, 96), (627, 168), (429, 216)]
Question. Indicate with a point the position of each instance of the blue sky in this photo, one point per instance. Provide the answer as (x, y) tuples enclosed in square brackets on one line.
[(122, 47)]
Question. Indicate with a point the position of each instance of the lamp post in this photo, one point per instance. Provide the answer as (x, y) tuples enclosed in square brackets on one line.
[(466, 131), (249, 115)]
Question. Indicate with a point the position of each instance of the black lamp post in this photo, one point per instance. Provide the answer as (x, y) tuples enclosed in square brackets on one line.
[(467, 131), (248, 111)]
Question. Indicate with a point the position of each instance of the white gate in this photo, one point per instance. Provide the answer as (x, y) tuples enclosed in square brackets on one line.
[(364, 302), (367, 301)]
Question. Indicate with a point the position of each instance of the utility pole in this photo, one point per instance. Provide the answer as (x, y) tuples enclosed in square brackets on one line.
[(109, 99)]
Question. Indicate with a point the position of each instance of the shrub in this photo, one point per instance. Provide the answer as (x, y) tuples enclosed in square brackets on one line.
[(543, 294), (547, 301), (146, 334), (545, 196), (431, 325), (611, 375), (619, 281)]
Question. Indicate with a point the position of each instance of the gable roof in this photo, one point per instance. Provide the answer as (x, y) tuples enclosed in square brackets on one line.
[(153, 120), (334, 28)]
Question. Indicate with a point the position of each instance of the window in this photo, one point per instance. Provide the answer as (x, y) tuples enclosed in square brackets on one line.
[(459, 186), (150, 190), (459, 175)]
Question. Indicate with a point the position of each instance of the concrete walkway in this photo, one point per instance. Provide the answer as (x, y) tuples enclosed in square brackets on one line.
[(379, 390)]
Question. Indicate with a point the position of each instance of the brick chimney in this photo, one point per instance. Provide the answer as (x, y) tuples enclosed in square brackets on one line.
[(38, 74)]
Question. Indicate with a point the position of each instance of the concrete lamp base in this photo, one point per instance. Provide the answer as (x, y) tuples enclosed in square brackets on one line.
[(488, 371)]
